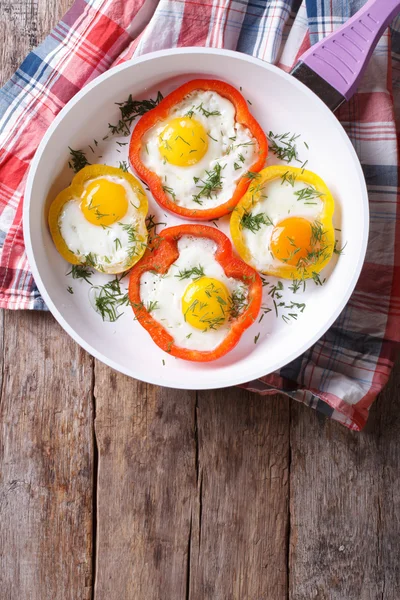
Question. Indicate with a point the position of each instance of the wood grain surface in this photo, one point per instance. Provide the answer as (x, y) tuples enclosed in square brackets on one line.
[(112, 489)]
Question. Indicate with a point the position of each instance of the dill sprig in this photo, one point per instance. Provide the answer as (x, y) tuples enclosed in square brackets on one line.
[(308, 193), (152, 225), (254, 222), (130, 110), (108, 298), (78, 160), (169, 191), (338, 250), (207, 113), (238, 302), (194, 272), (251, 175), (211, 184), (283, 145), (152, 305), (319, 252), (316, 278), (123, 165), (288, 178), (317, 233), (132, 239), (81, 272), (296, 285)]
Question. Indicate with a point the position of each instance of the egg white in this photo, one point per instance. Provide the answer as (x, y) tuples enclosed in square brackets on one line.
[(279, 204), (83, 238), (228, 141), (167, 290)]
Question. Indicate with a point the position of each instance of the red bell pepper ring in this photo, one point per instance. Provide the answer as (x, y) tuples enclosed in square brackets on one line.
[(161, 113), (159, 260)]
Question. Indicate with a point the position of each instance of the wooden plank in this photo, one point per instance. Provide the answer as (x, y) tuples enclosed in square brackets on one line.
[(45, 462), (239, 539), (192, 499), (345, 505), (23, 25), (46, 447), (146, 487)]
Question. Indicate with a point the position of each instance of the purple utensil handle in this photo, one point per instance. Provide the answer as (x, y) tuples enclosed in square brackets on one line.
[(341, 57)]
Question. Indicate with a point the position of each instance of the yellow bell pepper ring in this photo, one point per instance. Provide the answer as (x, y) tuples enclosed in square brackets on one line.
[(113, 207), (297, 245)]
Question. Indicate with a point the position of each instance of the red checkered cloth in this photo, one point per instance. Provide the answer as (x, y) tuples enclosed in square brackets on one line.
[(341, 374)]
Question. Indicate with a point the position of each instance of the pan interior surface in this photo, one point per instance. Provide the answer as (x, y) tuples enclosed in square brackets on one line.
[(280, 104)]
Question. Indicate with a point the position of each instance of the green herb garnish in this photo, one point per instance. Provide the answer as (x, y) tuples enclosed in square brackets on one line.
[(283, 145), (78, 160), (170, 191), (211, 184), (130, 110), (254, 222), (207, 113), (194, 273), (308, 193), (123, 165), (80, 272)]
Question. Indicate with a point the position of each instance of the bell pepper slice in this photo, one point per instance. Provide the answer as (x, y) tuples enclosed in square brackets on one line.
[(74, 192), (161, 113), (323, 247), (162, 256), (309, 266)]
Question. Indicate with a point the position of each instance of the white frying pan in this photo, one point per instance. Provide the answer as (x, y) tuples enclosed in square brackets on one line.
[(281, 103)]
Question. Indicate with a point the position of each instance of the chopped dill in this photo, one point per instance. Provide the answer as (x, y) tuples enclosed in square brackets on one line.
[(283, 145), (194, 272), (238, 302), (289, 178), (338, 250), (316, 278), (78, 160), (80, 272), (123, 165), (170, 191), (152, 225), (130, 110), (254, 222), (179, 137), (108, 298), (211, 184), (207, 113), (308, 193), (251, 175)]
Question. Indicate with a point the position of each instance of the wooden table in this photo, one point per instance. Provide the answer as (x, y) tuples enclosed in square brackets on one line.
[(116, 490)]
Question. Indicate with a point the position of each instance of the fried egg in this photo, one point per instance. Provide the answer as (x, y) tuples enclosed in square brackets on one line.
[(283, 225), (200, 151), (99, 220), (194, 300)]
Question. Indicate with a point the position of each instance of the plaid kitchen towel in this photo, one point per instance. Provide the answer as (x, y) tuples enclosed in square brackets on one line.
[(340, 375)]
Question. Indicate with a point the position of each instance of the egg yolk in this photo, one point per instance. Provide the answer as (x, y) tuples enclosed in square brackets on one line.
[(183, 142), (104, 202), (291, 240), (205, 303)]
